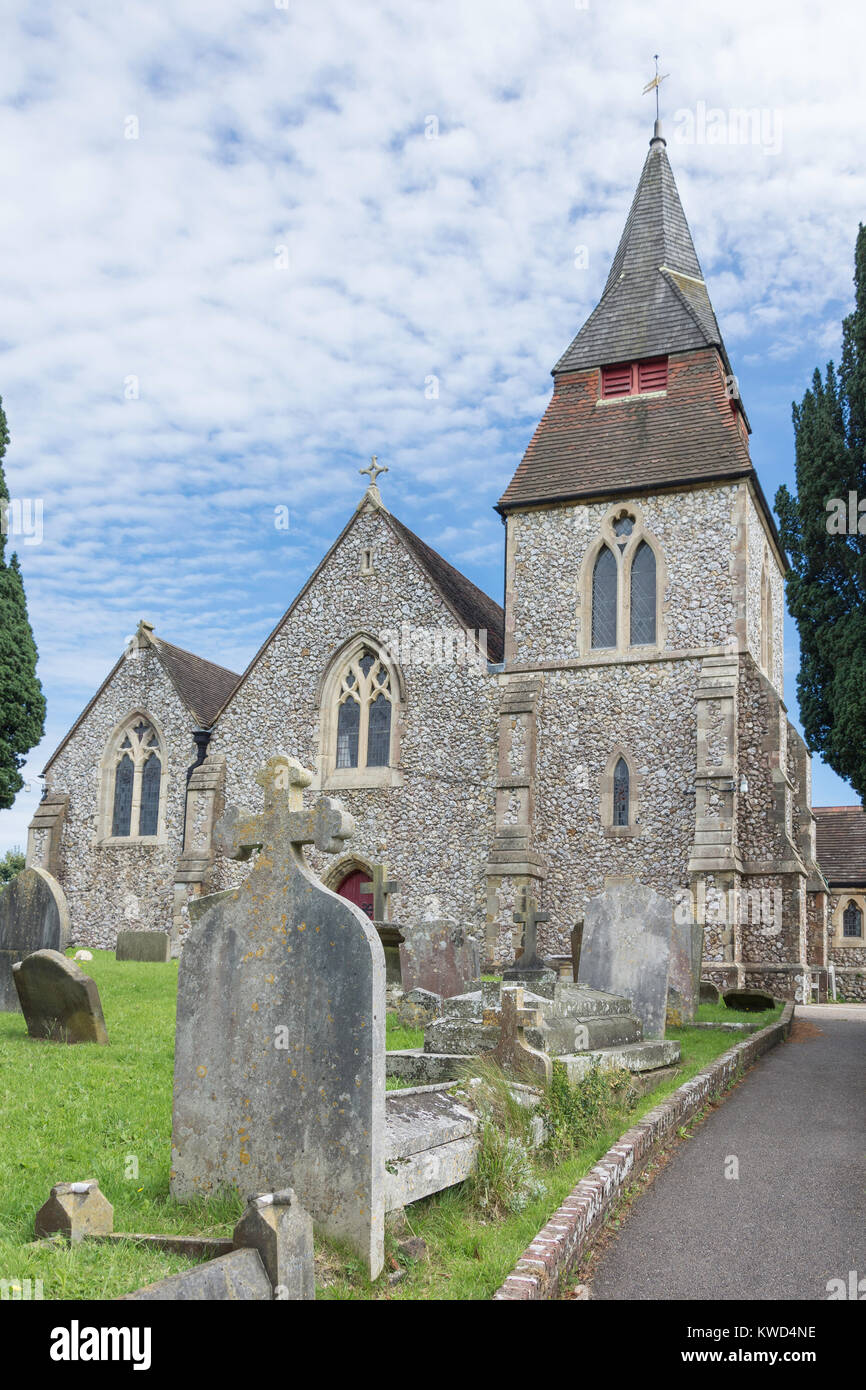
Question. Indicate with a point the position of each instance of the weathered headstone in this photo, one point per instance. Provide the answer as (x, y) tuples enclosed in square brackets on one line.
[(512, 1052), (143, 945), (439, 956), (684, 980), (710, 993), (280, 1047), (576, 947), (627, 947), (58, 1000), (33, 917)]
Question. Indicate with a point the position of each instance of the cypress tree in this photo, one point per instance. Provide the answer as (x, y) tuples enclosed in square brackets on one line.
[(826, 543), (22, 703)]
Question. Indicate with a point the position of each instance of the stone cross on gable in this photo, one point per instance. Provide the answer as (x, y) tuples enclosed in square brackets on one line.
[(530, 917), (382, 887), (284, 826), (373, 471)]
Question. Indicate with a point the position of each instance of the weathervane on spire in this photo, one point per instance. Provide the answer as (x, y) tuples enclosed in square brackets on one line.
[(655, 84), (374, 470)]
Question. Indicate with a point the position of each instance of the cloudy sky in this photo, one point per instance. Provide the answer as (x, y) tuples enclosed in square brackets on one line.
[(237, 240)]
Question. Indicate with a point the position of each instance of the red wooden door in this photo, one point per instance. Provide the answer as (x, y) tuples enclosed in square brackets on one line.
[(351, 888)]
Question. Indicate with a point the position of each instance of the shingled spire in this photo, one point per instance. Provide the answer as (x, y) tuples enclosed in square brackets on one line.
[(654, 324), (655, 300)]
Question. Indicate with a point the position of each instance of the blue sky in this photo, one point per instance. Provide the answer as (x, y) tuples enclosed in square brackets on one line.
[(236, 240)]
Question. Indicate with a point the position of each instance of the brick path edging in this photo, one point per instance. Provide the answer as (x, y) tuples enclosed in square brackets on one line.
[(559, 1245)]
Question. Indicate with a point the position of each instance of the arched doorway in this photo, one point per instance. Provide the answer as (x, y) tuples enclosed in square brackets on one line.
[(350, 887)]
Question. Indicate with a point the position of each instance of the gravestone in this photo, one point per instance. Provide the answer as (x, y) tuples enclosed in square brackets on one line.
[(279, 1076), (710, 993), (684, 980), (439, 956), (58, 1000), (529, 964), (143, 945), (512, 1052), (576, 947), (627, 947), (33, 917)]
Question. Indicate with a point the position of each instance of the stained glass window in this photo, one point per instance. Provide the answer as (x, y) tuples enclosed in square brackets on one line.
[(348, 727), (151, 777), (852, 920), (643, 596), (379, 739), (123, 779), (620, 793), (604, 593)]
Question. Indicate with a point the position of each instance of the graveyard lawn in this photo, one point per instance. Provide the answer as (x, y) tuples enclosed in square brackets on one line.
[(76, 1112)]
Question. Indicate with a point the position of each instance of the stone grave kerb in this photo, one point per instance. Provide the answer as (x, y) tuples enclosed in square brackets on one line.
[(280, 1050)]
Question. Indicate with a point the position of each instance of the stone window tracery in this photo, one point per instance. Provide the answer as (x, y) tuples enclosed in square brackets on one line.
[(624, 585), (133, 782), (359, 731)]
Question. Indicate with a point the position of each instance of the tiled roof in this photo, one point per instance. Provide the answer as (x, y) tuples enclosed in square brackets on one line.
[(473, 607), (203, 686), (584, 448), (655, 300), (841, 844)]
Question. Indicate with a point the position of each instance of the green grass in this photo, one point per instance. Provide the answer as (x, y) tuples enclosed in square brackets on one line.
[(71, 1113), (719, 1013)]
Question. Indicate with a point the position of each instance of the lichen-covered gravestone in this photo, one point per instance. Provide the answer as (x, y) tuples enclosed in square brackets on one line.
[(279, 1074), (439, 956), (33, 917), (626, 949), (58, 1000)]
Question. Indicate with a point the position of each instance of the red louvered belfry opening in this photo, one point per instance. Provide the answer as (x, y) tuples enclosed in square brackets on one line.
[(630, 378), (351, 888)]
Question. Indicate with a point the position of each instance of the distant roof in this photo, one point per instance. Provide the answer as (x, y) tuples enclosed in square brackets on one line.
[(655, 300), (841, 844), (203, 686), (473, 607), (584, 448)]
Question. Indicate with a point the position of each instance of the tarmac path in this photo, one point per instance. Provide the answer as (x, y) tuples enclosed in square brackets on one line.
[(795, 1217)]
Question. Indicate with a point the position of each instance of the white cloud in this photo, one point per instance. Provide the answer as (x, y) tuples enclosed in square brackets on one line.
[(258, 128)]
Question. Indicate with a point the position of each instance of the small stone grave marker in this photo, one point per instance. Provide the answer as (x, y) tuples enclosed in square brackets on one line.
[(143, 945)]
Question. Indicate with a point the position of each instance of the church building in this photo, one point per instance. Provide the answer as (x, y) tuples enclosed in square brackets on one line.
[(622, 715)]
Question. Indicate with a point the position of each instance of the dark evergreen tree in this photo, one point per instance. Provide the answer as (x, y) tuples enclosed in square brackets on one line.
[(826, 543), (22, 703)]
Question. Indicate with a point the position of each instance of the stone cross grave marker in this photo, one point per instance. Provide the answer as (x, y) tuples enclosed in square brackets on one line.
[(530, 963), (512, 1052), (382, 887), (280, 1053), (33, 917), (627, 947)]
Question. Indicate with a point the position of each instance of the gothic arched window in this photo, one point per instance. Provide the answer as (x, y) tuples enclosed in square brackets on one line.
[(364, 702), (605, 586), (620, 793), (852, 921), (643, 596), (133, 783)]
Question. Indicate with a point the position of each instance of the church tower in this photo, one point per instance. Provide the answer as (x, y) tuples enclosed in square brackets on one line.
[(642, 729)]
